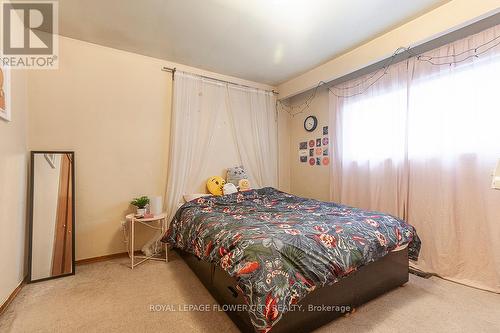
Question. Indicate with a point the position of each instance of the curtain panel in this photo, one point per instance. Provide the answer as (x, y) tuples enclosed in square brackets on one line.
[(254, 127), (197, 104), (421, 144), (370, 166)]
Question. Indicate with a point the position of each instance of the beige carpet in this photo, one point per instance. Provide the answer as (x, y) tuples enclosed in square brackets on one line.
[(109, 297)]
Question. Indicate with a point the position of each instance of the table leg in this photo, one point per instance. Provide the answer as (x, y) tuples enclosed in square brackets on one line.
[(164, 228), (132, 247)]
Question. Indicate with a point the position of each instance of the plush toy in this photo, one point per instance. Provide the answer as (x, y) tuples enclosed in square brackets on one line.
[(235, 174), (215, 185), (244, 185), (229, 188)]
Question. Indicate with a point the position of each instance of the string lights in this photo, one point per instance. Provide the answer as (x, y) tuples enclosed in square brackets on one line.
[(301, 107), (373, 78)]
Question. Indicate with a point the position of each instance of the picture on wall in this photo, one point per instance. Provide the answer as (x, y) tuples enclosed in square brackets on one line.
[(5, 106), (318, 142), (303, 159), (311, 152), (303, 145), (325, 151), (325, 130), (325, 141)]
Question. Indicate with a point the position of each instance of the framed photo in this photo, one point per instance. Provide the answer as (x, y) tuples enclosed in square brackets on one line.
[(5, 105)]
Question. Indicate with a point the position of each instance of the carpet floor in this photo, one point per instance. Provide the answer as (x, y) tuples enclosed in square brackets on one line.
[(109, 297)]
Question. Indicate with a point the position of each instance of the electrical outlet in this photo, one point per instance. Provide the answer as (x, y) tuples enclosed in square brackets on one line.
[(495, 184)]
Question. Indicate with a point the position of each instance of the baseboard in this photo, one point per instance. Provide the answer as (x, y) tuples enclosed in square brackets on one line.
[(101, 258), (12, 296), (105, 258)]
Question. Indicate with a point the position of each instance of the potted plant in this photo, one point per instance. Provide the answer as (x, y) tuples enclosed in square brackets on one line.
[(140, 203)]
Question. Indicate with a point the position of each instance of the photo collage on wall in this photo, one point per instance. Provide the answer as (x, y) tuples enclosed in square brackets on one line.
[(315, 152)]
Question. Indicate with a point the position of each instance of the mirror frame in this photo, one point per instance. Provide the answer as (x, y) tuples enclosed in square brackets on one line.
[(31, 198)]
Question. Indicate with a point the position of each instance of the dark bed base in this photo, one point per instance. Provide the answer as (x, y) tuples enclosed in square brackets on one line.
[(359, 287)]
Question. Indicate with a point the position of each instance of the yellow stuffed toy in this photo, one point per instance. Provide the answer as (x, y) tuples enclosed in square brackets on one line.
[(215, 185), (244, 185)]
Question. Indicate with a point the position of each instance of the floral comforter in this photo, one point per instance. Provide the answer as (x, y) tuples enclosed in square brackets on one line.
[(280, 247)]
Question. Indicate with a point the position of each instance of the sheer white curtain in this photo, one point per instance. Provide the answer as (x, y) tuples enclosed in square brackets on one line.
[(437, 174), (197, 104), (254, 126), (453, 146), (369, 169)]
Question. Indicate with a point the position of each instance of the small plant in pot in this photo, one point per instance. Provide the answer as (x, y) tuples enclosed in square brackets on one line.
[(140, 203)]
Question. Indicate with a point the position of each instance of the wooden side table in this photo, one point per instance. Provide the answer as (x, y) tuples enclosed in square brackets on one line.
[(149, 222)]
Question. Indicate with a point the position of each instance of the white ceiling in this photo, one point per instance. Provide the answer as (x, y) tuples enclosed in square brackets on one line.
[(267, 41)]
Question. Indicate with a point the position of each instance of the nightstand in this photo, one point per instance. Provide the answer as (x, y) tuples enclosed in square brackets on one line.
[(158, 222)]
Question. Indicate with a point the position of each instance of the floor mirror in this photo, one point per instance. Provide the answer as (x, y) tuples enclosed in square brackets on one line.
[(51, 215)]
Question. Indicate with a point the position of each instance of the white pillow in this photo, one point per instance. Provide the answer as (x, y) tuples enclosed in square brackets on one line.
[(192, 196)]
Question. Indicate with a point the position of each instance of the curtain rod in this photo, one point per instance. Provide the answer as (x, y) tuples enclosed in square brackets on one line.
[(173, 70)]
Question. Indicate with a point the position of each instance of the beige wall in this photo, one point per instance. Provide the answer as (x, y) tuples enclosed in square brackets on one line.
[(451, 16), (112, 109), (305, 180), (13, 175)]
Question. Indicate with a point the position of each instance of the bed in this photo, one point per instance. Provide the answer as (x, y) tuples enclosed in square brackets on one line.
[(277, 262)]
